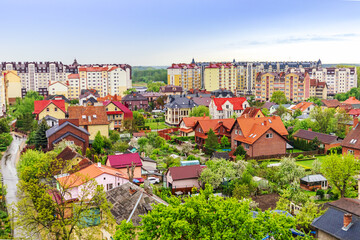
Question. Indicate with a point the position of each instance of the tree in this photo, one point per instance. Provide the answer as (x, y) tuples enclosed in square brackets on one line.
[(129, 91), (169, 162), (114, 136), (224, 141), (139, 119), (206, 216), (98, 143), (186, 148), (315, 100), (120, 146), (199, 111), (278, 97), (142, 142), (240, 151), (154, 86), (161, 101), (42, 210), (297, 113), (40, 135), (211, 143), (4, 126), (5, 140), (289, 172), (266, 112), (74, 101), (339, 171), (324, 120), (281, 111), (219, 170), (241, 191)]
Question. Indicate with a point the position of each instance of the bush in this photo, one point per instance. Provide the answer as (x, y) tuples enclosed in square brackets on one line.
[(300, 156), (320, 193), (337, 150)]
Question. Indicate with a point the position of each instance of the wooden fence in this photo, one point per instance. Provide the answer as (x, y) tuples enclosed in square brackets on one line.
[(165, 133)]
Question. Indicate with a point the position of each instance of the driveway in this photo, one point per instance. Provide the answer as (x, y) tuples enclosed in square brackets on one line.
[(9, 174)]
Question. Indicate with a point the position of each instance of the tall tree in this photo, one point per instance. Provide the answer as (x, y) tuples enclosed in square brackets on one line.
[(278, 97), (211, 143), (224, 141), (40, 135), (281, 111), (98, 143), (324, 120), (289, 172), (340, 170), (199, 111)]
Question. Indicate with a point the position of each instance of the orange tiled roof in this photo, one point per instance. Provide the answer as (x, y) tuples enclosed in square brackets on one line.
[(352, 100), (186, 130), (92, 69), (109, 98), (302, 106), (191, 121), (88, 173), (89, 115), (250, 112), (73, 76), (213, 124)]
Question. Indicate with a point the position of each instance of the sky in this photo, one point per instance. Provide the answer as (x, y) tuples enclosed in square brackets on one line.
[(162, 32)]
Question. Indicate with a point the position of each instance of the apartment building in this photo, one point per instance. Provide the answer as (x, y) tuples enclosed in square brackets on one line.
[(338, 80), (295, 85), (12, 86), (318, 89), (220, 75), (188, 76)]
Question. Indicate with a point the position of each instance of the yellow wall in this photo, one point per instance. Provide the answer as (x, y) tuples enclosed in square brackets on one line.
[(56, 114), (176, 79), (13, 85), (211, 79), (93, 130)]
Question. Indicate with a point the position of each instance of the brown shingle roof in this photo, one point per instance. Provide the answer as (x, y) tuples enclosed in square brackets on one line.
[(332, 103), (250, 112), (90, 115), (185, 172), (347, 204), (352, 140), (310, 135)]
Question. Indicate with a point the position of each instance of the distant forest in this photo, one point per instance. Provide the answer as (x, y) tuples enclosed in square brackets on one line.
[(148, 74)]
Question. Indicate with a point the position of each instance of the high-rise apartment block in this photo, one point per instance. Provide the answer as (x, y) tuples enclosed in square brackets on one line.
[(338, 80), (106, 78), (188, 76)]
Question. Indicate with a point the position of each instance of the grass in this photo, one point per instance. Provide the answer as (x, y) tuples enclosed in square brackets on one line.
[(308, 163), (154, 125), (295, 150)]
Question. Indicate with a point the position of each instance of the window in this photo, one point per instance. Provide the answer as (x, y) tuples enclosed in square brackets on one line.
[(246, 146), (69, 142), (353, 141), (236, 132), (55, 109), (351, 151), (48, 109), (109, 186), (269, 135)]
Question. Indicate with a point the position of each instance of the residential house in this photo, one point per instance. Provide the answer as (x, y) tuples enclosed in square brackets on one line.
[(58, 88), (354, 113), (53, 108), (351, 101), (135, 101), (305, 107), (149, 167), (130, 201), (152, 96), (184, 178), (109, 98), (327, 141), (59, 97), (178, 108), (50, 121), (221, 127), (171, 90), (331, 103), (103, 175), (221, 108), (351, 143), (88, 97), (259, 136), (314, 182), (122, 161), (68, 130), (275, 107), (187, 125), (92, 118), (117, 113), (347, 107), (222, 93), (340, 221), (318, 89), (202, 101), (268, 105), (69, 161), (12, 86), (251, 112)]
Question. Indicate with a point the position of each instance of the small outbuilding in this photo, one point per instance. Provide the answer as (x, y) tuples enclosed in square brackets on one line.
[(313, 182)]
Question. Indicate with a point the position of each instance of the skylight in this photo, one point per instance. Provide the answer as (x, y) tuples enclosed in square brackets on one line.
[(254, 136), (353, 141), (269, 120), (250, 135)]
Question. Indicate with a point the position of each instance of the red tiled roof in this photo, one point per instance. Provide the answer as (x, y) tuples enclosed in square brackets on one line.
[(302, 106), (186, 130), (214, 124), (123, 160), (127, 113), (352, 100), (236, 102), (185, 172), (354, 112), (40, 105), (92, 69), (191, 121), (73, 76)]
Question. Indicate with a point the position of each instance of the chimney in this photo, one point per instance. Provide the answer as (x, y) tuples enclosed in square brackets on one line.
[(99, 164), (356, 121), (347, 220), (309, 129), (265, 123)]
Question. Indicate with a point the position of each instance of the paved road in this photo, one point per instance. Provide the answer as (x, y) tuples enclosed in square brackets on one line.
[(9, 174)]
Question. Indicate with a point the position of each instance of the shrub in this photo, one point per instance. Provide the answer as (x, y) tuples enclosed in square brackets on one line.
[(300, 156), (320, 193), (337, 149)]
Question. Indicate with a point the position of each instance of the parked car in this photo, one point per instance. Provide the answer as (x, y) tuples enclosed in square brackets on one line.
[(153, 180)]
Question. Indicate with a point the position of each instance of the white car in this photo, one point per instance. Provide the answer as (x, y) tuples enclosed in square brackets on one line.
[(153, 180)]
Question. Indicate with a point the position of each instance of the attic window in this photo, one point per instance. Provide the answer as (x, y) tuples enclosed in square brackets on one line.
[(254, 136), (94, 116), (269, 121), (250, 135), (353, 141), (83, 116)]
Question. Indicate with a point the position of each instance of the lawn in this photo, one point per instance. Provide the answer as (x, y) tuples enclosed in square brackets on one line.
[(308, 163), (154, 125), (294, 150)]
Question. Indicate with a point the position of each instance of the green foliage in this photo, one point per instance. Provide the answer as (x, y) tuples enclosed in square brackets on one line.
[(240, 151), (211, 143), (168, 162), (139, 119), (199, 111), (300, 156), (26, 105), (114, 136), (339, 171), (240, 191), (320, 193), (278, 97), (266, 112), (206, 216), (120, 146), (26, 122), (148, 74), (289, 172), (5, 140), (74, 101), (98, 143), (224, 142), (154, 86), (129, 91), (335, 150), (142, 143), (40, 135), (307, 214), (297, 113), (315, 100), (281, 111), (125, 231), (4, 125)]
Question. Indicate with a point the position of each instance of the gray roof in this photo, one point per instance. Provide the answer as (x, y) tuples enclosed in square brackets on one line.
[(284, 105), (332, 222), (56, 128), (314, 178), (48, 117), (181, 102), (322, 137)]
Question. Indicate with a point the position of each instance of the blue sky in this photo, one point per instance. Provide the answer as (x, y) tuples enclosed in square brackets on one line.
[(159, 32)]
